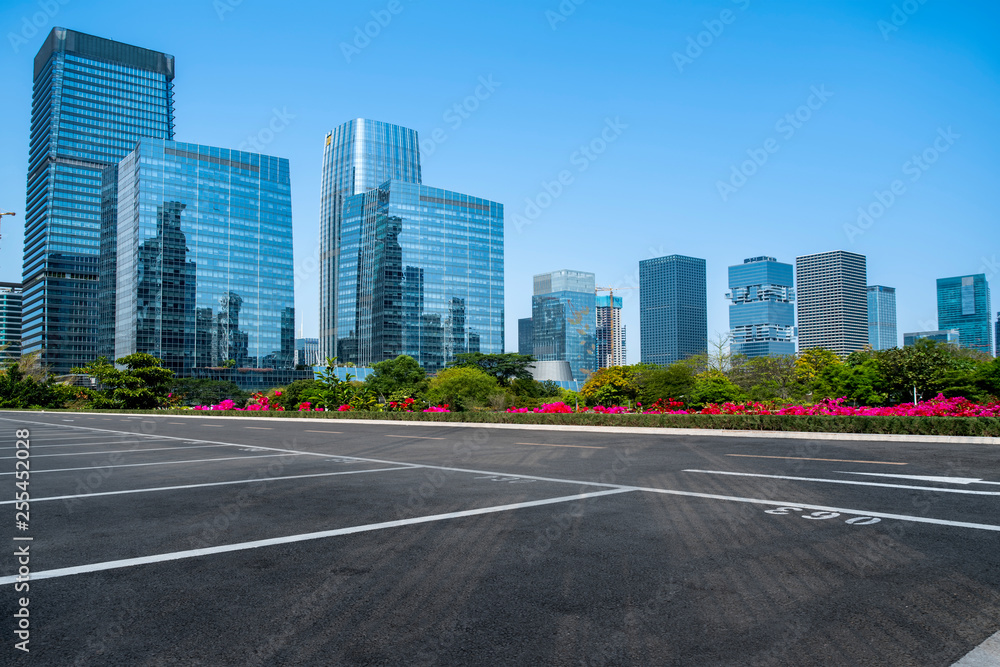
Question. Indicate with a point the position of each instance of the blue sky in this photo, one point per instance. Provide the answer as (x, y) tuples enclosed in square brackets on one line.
[(833, 99)]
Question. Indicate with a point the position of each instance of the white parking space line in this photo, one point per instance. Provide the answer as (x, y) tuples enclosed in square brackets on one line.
[(850, 482), (157, 463), (289, 539), (802, 458), (417, 437), (337, 432), (119, 451), (91, 444), (926, 478), (198, 486), (538, 444), (986, 654), (259, 428)]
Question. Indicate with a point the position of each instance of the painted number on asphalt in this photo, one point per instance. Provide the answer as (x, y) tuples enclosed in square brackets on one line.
[(821, 515)]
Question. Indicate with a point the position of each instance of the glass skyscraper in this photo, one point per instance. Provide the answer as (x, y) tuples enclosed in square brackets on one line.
[(420, 273), (358, 156), (964, 303), (762, 308), (831, 291), (610, 332), (564, 320), (204, 260), (92, 100), (10, 321), (525, 336), (673, 309), (882, 317)]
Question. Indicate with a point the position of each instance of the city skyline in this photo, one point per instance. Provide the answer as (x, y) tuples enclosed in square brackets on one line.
[(930, 79)]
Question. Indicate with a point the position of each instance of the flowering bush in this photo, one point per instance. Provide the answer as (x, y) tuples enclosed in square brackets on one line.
[(438, 408)]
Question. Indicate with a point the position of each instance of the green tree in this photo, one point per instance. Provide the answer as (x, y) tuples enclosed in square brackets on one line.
[(142, 385), (294, 394), (400, 375), (203, 391), (461, 387), (503, 367), (611, 386), (674, 381), (20, 391), (764, 378), (713, 386), (922, 366)]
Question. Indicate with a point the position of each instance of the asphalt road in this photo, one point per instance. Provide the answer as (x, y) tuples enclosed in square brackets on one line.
[(213, 541)]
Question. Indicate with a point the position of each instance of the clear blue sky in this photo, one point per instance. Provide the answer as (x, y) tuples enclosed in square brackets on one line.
[(887, 90)]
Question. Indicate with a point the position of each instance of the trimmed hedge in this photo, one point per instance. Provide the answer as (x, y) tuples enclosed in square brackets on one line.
[(944, 426)]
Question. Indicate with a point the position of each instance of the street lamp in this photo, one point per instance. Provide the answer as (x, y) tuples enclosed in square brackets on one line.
[(1, 218)]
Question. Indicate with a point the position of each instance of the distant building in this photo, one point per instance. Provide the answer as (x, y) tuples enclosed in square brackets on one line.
[(204, 260), (950, 337), (762, 308), (882, 317), (996, 337), (610, 333), (307, 352), (525, 336), (673, 309), (964, 304), (831, 290), (10, 321), (93, 99), (563, 316)]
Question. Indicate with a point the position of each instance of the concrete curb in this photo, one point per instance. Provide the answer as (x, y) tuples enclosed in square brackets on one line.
[(629, 430)]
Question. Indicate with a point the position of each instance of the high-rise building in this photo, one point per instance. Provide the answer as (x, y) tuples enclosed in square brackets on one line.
[(10, 321), (951, 337), (996, 337), (204, 259), (307, 352), (564, 319), (832, 301), (92, 100), (762, 308), (420, 273), (882, 317), (610, 333), (673, 309), (525, 336), (964, 303), (358, 157)]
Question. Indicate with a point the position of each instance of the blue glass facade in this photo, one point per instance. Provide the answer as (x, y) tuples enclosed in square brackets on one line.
[(204, 261), (673, 309), (92, 100), (762, 308), (358, 156), (882, 317), (10, 321), (964, 303), (420, 272), (525, 336), (950, 337), (564, 320)]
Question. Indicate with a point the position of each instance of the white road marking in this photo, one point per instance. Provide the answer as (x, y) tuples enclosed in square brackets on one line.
[(922, 478), (538, 444), (158, 463), (418, 437), (122, 451), (260, 428), (79, 444), (802, 458), (986, 654), (848, 481), (198, 486), (289, 539), (337, 432)]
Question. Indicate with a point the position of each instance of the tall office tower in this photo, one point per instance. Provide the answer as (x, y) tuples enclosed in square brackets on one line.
[(610, 333), (525, 336), (882, 317), (996, 337), (10, 321), (964, 303), (951, 337), (359, 156), (564, 319), (673, 309), (92, 100), (762, 308), (205, 274), (420, 273), (307, 351), (832, 301)]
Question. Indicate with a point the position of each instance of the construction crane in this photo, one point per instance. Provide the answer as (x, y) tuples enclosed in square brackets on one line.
[(1, 219), (611, 301)]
